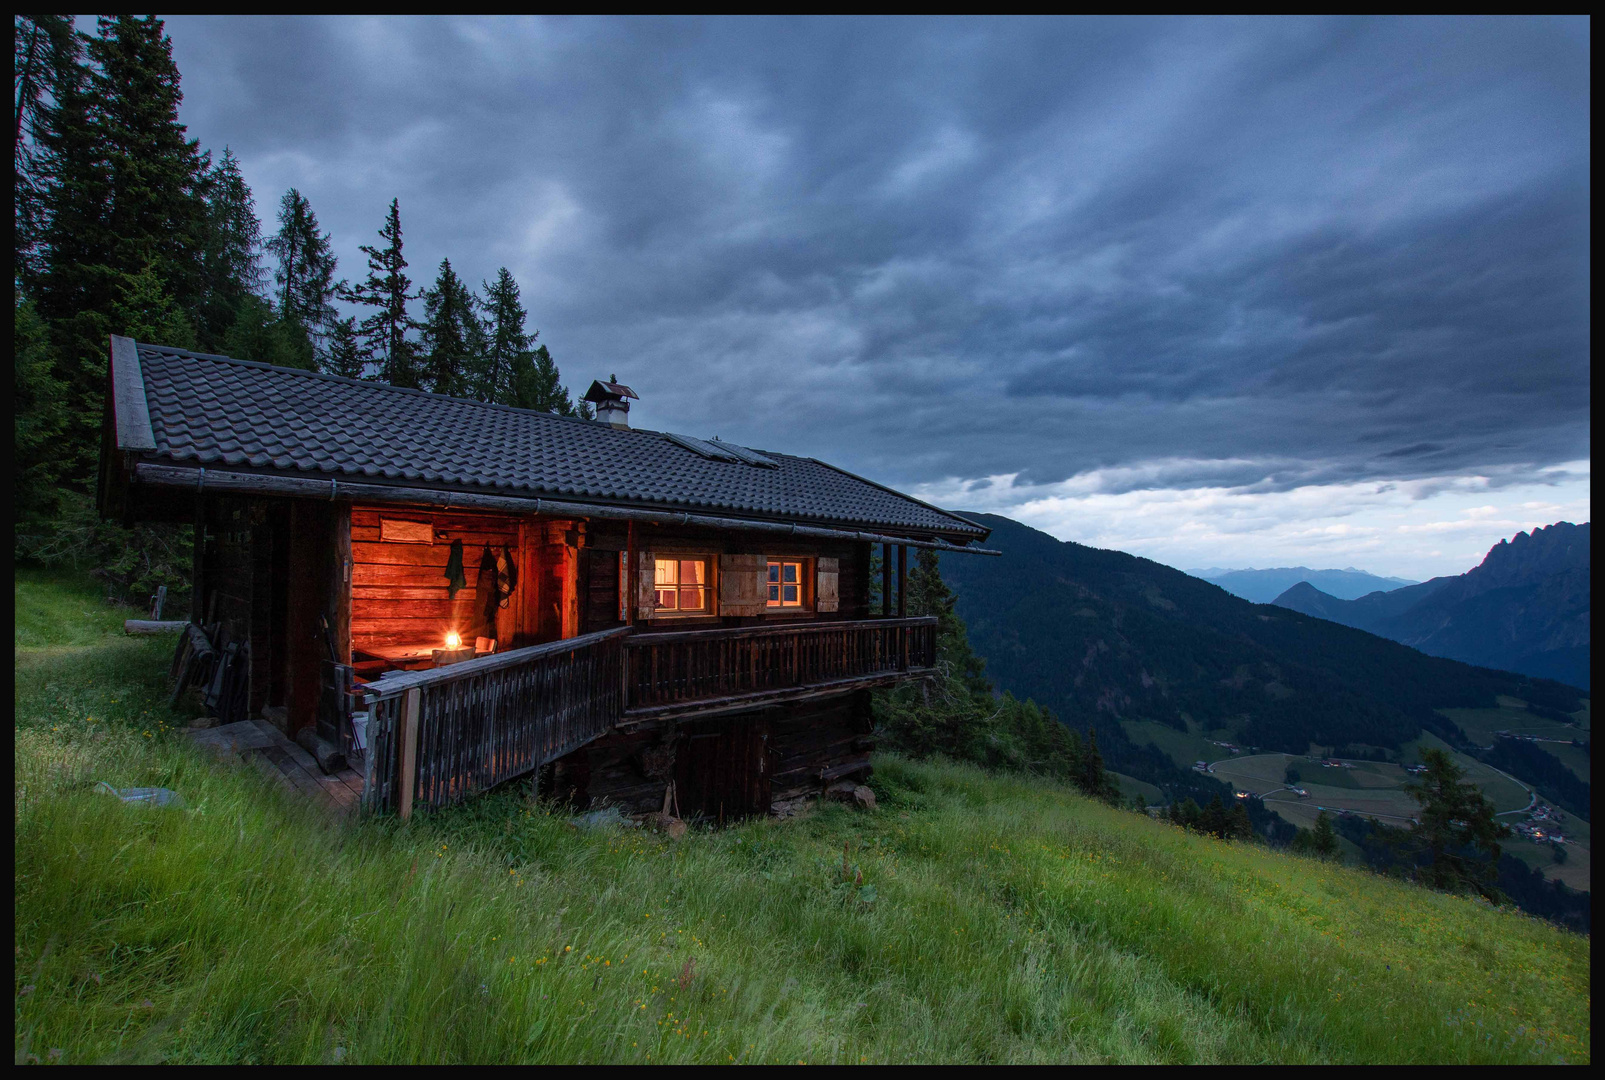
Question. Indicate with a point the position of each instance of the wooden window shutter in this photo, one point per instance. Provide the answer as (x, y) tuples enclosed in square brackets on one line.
[(646, 593), (742, 589), (827, 585)]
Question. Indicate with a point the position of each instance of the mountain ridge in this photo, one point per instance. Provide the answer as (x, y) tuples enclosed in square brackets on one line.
[(1264, 585), (1524, 608)]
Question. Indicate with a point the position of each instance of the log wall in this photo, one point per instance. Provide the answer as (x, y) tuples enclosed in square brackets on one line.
[(399, 593)]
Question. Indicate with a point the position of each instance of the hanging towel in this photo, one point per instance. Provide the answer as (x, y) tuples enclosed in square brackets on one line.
[(455, 578)]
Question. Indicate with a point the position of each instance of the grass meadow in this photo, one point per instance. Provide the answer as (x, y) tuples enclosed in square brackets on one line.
[(972, 917)]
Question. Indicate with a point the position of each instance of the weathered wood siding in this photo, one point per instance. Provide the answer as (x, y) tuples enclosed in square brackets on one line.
[(742, 762), (399, 592), (814, 743)]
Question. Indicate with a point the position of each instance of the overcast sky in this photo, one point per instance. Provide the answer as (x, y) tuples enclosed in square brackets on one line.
[(1217, 292)]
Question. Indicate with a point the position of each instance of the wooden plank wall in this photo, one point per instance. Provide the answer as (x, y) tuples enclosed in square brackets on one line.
[(810, 737), (399, 591)]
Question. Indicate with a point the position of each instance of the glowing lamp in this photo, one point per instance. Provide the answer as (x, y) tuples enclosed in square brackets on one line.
[(453, 641)]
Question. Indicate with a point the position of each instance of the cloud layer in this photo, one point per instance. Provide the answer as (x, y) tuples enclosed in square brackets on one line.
[(1262, 255)]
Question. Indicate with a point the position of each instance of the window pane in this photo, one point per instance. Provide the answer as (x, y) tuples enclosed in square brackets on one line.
[(791, 594), (691, 572), (774, 571), (774, 594), (663, 572), (666, 599), (690, 599), (791, 571)]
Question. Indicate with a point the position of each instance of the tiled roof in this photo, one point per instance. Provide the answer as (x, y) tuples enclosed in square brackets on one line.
[(215, 410)]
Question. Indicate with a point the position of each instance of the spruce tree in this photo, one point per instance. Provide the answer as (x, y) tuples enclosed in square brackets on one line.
[(40, 414), (304, 280), (156, 215), (45, 50), (1458, 834), (452, 337), (1325, 841), (507, 344), (387, 290), (232, 253), (119, 202), (538, 385), (344, 354)]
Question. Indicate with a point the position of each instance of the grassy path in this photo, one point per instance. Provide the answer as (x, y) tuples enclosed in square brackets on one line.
[(971, 918)]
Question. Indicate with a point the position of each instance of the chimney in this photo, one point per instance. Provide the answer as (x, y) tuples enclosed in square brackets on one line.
[(608, 397)]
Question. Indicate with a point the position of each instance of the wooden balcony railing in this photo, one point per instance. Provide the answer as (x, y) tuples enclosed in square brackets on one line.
[(699, 670), (435, 737)]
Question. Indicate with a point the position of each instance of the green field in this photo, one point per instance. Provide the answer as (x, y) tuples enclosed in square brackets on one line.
[(971, 918), (1480, 724), (1130, 786), (1182, 747)]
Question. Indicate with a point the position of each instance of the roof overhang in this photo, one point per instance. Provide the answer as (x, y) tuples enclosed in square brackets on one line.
[(201, 479)]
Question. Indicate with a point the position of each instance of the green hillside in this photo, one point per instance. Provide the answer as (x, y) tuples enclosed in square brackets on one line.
[(971, 917)]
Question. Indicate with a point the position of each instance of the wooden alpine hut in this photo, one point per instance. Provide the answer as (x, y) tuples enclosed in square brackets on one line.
[(450, 594)]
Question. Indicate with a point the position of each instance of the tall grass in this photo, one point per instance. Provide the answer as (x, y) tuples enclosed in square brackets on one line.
[(971, 918)]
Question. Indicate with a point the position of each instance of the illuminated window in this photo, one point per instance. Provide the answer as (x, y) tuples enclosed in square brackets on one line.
[(682, 585), (785, 584)]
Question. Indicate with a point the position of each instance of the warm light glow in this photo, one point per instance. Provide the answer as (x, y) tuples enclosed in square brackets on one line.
[(452, 640)]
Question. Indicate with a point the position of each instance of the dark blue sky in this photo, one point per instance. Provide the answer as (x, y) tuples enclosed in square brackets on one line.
[(1108, 264)]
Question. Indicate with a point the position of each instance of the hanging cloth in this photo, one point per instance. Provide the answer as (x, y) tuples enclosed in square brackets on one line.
[(506, 576), (511, 576), (455, 578), (487, 589)]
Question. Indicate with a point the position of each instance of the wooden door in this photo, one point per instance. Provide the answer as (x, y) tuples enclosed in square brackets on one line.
[(722, 768)]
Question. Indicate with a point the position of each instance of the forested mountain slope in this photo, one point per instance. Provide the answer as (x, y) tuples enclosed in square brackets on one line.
[(1101, 636), (1525, 608)]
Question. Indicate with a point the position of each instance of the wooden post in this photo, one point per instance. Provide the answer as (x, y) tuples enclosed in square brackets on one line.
[(902, 602), (407, 751), (886, 581), (629, 577)]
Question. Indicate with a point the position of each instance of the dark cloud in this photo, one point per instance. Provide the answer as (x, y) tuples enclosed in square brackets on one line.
[(1285, 251)]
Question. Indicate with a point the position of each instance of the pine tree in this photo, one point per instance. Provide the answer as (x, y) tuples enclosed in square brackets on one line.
[(452, 340), (538, 385), (46, 50), (156, 215), (305, 276), (120, 199), (40, 413), (928, 594), (344, 354), (387, 291), (1093, 778), (232, 252), (259, 333), (146, 312), (507, 344), (1458, 833), (1324, 842)]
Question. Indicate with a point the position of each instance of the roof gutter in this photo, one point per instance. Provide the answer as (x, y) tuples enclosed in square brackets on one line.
[(242, 483)]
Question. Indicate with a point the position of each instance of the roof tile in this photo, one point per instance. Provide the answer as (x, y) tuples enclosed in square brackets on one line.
[(204, 408)]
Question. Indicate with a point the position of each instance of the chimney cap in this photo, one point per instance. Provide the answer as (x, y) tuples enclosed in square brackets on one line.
[(609, 391)]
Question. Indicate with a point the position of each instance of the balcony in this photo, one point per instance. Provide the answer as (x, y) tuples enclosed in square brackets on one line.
[(437, 736)]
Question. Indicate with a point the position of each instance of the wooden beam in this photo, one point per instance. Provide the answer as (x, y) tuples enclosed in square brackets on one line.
[(886, 581), (128, 397), (409, 751)]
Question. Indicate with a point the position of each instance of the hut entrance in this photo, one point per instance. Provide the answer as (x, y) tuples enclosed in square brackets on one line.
[(721, 768)]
